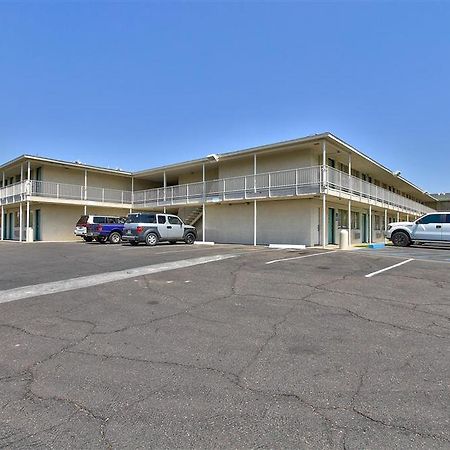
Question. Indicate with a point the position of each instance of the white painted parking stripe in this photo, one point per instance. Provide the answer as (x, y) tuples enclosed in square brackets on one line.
[(369, 275), (300, 257), (54, 287)]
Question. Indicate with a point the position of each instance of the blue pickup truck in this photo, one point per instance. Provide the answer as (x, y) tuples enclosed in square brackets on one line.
[(106, 229)]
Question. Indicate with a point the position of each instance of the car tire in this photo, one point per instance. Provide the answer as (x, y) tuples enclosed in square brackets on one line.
[(115, 238), (134, 243), (189, 238), (401, 239), (87, 238), (151, 239)]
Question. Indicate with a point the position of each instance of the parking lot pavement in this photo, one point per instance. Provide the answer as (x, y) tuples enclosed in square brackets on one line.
[(237, 353), (420, 252)]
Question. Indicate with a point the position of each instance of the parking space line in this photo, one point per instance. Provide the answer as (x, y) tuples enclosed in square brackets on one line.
[(102, 278), (369, 275), (300, 257)]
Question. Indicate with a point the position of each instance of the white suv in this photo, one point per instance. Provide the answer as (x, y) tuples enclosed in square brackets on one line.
[(433, 227)]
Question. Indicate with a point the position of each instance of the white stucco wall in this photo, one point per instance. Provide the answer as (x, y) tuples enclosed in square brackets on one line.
[(229, 223), (58, 221)]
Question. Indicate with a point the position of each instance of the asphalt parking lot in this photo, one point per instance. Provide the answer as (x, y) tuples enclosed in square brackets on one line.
[(223, 347)]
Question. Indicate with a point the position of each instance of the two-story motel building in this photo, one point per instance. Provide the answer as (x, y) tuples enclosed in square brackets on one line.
[(294, 192)]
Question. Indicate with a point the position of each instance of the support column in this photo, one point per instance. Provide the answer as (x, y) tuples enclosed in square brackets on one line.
[(370, 224), (3, 224), (21, 208), (132, 195), (165, 186), (398, 216), (254, 223), (203, 206), (27, 223), (350, 200), (324, 195), (20, 221), (85, 190), (385, 220)]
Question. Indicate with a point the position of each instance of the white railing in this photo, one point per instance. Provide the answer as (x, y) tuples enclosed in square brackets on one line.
[(285, 183), (12, 193), (49, 189), (364, 191)]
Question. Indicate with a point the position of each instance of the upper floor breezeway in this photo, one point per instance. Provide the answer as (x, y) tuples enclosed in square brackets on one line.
[(217, 177)]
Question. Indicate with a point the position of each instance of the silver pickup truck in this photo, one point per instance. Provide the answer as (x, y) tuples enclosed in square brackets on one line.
[(433, 227), (151, 228)]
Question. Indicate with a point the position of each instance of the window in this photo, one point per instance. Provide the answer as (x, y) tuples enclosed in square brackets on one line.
[(342, 218), (355, 220), (174, 220), (99, 219), (432, 218), (111, 220), (446, 218), (161, 219), (377, 222), (82, 221), (148, 218)]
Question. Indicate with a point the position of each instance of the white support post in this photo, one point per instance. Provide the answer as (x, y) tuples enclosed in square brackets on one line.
[(324, 195), (27, 237), (204, 206), (165, 186), (370, 224), (350, 199), (3, 224), (398, 216), (254, 223), (254, 173), (132, 195), (85, 190), (324, 220), (349, 223), (28, 170), (20, 222), (385, 220), (3, 179), (203, 222)]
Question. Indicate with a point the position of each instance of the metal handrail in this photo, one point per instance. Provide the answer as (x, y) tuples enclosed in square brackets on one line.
[(284, 183)]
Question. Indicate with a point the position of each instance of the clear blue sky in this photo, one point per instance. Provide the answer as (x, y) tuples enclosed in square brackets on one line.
[(140, 84)]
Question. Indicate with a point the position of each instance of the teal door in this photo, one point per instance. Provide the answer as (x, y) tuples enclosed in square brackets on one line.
[(11, 226), (331, 225), (37, 225), (5, 225), (364, 228)]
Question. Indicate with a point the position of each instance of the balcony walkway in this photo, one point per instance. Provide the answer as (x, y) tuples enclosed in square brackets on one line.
[(305, 181)]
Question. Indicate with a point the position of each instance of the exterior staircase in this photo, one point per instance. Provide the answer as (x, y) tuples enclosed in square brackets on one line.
[(193, 216)]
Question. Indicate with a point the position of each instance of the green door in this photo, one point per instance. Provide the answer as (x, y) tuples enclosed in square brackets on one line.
[(11, 226), (364, 227), (331, 225), (37, 225), (5, 225)]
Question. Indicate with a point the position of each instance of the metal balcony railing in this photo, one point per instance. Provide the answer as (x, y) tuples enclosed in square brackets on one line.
[(364, 191), (49, 189), (284, 183)]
